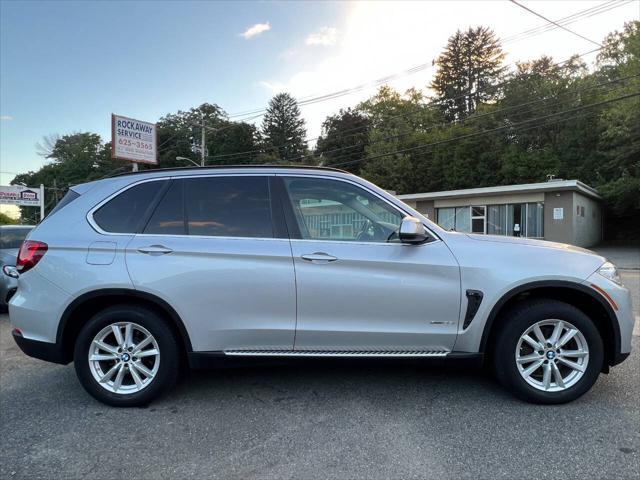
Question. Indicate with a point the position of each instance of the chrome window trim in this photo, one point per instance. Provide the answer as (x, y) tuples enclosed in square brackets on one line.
[(96, 227), (89, 215)]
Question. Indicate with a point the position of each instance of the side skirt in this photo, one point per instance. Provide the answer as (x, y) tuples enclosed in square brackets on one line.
[(248, 358)]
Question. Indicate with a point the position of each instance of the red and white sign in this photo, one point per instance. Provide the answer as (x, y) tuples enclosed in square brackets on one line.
[(133, 140), (18, 195)]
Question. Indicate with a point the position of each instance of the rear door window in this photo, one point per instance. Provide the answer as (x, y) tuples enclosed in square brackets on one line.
[(126, 212), (168, 217), (228, 206)]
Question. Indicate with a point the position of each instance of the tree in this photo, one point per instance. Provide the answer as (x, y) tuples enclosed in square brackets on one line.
[(180, 134), (345, 137), (7, 220), (283, 129), (467, 69), (619, 174), (74, 158)]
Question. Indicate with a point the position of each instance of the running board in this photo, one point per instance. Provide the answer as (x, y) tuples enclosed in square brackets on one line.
[(337, 353)]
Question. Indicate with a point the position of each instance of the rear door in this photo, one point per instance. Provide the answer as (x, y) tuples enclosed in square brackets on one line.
[(358, 287), (216, 250)]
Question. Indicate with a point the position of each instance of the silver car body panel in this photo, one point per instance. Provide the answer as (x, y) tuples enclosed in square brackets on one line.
[(246, 295)]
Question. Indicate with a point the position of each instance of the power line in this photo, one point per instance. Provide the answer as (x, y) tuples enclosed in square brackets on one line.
[(330, 96), (411, 114), (590, 12), (476, 117), (555, 23), (311, 100), (493, 130)]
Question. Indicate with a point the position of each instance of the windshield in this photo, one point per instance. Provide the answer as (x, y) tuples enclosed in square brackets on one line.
[(13, 237)]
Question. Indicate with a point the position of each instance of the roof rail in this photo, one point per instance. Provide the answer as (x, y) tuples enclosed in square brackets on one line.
[(265, 166)]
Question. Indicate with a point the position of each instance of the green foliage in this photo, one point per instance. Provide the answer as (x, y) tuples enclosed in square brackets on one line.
[(73, 159), (345, 137), (283, 129), (179, 135), (7, 220), (468, 68)]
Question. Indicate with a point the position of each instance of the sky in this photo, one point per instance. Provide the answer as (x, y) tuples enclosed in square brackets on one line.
[(66, 66)]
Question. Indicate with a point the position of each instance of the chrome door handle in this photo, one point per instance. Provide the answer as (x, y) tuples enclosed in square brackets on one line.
[(318, 257), (155, 250)]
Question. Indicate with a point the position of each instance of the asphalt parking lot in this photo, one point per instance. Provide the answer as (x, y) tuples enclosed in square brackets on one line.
[(372, 421)]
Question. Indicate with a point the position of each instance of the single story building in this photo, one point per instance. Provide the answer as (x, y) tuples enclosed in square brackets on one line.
[(566, 211)]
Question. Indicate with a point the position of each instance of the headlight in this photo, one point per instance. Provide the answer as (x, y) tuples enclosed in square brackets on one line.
[(610, 271)]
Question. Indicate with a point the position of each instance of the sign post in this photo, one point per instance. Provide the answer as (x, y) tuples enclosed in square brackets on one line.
[(41, 202), (133, 140), (23, 196)]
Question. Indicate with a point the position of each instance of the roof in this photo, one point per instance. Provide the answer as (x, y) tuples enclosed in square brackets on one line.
[(224, 167), (550, 186)]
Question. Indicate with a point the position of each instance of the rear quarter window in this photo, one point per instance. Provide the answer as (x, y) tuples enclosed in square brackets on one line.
[(126, 212), (69, 197)]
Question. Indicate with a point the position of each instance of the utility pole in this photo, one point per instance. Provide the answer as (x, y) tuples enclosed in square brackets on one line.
[(203, 140)]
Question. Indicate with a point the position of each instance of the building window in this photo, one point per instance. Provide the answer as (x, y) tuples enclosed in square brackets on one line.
[(463, 219), (535, 220), (478, 218), (517, 219), (446, 218), (497, 219)]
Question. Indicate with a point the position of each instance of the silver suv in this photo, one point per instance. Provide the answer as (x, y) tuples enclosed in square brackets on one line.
[(134, 275)]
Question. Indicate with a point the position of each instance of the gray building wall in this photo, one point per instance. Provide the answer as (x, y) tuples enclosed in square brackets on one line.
[(560, 230), (581, 222), (587, 221), (426, 207)]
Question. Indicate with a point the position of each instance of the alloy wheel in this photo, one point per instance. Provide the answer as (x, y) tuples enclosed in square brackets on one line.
[(124, 358), (552, 355)]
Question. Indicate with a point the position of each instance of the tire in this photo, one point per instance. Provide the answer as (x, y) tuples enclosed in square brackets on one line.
[(135, 387), (512, 352)]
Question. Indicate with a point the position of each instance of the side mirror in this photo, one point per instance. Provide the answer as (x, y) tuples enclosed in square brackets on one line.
[(412, 231)]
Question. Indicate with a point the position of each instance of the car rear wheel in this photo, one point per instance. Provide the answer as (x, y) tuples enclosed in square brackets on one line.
[(548, 352), (126, 356)]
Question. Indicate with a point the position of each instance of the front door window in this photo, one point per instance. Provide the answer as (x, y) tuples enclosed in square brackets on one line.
[(340, 211)]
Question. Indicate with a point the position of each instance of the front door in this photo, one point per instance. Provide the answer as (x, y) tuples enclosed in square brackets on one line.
[(211, 250), (358, 287)]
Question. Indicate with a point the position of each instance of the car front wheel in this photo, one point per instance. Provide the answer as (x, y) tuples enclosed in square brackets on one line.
[(126, 356), (548, 352)]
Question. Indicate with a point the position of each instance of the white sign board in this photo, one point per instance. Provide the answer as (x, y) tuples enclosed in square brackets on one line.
[(17, 195), (133, 140), (558, 213)]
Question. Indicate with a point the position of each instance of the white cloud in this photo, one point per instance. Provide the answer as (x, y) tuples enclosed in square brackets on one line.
[(255, 30), (6, 117), (274, 87), (326, 36)]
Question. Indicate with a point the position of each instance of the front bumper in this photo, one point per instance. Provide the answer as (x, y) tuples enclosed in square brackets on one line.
[(50, 352), (618, 300)]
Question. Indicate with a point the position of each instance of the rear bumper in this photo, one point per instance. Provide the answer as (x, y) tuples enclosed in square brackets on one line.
[(50, 352)]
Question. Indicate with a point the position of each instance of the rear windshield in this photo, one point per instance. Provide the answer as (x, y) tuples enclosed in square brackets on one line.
[(13, 237)]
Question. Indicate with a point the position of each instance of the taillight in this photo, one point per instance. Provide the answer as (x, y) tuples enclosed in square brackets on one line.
[(31, 251)]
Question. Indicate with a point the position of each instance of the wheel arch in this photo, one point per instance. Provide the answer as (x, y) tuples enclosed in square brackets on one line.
[(586, 299), (88, 304)]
